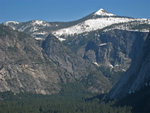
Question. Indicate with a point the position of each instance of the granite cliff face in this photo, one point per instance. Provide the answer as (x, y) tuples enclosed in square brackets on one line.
[(23, 65), (26, 67), (137, 76), (80, 69), (113, 49)]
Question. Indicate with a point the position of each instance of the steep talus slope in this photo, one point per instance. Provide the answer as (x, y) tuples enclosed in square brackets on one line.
[(137, 76), (80, 69), (23, 66)]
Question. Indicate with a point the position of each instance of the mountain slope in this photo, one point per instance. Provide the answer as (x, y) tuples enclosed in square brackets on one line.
[(26, 67), (113, 49), (137, 75), (81, 70), (23, 65), (106, 40)]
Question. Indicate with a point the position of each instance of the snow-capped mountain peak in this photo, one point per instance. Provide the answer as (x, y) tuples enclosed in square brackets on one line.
[(11, 22), (102, 12), (101, 19)]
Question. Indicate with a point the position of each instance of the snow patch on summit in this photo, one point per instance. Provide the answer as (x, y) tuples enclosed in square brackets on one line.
[(91, 25), (102, 12), (11, 22), (40, 23)]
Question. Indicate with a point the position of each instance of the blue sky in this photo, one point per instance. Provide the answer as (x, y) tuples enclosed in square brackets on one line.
[(68, 10)]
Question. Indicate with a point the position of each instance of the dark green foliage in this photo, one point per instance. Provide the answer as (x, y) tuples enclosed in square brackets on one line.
[(32, 103), (139, 100), (75, 89)]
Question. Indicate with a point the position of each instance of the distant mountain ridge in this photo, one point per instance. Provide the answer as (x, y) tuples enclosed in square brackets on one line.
[(100, 19)]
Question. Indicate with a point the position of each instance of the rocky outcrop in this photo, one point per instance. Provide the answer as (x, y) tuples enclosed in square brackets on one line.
[(137, 76), (26, 67), (113, 49), (23, 65), (80, 69)]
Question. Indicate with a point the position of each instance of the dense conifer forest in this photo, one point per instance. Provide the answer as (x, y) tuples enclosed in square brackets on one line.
[(30, 103), (67, 101)]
